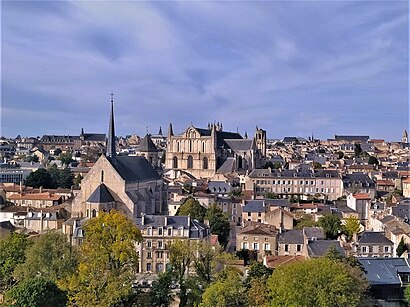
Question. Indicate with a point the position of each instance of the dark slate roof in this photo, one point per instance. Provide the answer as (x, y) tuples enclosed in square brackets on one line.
[(94, 137), (101, 195), (314, 232), (254, 206), (221, 136), (219, 187), (290, 139), (227, 167), (402, 210), (133, 168), (147, 145), (372, 237), (358, 178), (352, 138), (294, 236), (384, 271), (318, 248), (277, 202), (274, 173), (239, 145)]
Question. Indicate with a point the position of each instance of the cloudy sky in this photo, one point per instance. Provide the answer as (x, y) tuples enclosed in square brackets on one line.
[(292, 68)]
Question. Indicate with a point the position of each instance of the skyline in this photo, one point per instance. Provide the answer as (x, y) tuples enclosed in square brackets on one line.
[(291, 68)]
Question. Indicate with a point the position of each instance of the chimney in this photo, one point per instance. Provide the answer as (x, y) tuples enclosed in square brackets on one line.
[(41, 189), (166, 221), (142, 218), (21, 187)]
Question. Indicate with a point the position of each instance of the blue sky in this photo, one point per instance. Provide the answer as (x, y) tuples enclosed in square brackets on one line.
[(292, 68)]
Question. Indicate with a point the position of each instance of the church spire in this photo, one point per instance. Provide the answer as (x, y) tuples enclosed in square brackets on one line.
[(111, 132)]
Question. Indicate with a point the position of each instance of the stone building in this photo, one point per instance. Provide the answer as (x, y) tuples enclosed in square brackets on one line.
[(126, 183), (203, 152)]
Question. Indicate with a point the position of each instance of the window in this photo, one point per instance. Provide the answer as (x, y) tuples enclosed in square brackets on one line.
[(149, 243), (160, 231), (170, 231), (190, 163), (149, 231), (149, 255), (160, 255), (245, 237), (298, 248), (245, 245), (249, 214), (174, 162), (160, 244), (93, 213), (181, 231), (387, 249), (266, 246), (148, 267), (286, 248), (259, 213), (102, 176), (364, 249), (159, 267), (255, 246), (205, 163)]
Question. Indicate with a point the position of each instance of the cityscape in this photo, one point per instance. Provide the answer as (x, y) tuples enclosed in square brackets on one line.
[(205, 154)]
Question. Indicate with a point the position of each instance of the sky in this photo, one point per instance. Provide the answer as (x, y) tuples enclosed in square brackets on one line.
[(292, 68)]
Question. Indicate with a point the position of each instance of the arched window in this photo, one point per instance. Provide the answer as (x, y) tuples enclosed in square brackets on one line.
[(93, 213), (190, 146), (205, 163), (175, 162), (240, 162), (203, 146), (102, 176), (190, 162), (178, 148)]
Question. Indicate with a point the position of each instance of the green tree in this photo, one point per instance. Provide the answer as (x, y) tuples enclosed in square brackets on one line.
[(39, 178), (271, 195), (160, 293), (316, 165), (66, 158), (57, 152), (340, 154), (256, 284), (36, 292), (50, 256), (331, 224), (373, 160), (206, 261), (305, 220), (257, 270), (108, 261), (357, 150), (77, 180), (191, 207), (12, 253), (65, 179), (401, 248), (227, 291), (351, 226), (317, 282), (219, 223)]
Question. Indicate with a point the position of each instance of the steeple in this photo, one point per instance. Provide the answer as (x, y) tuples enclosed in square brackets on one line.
[(111, 132), (170, 131), (160, 130)]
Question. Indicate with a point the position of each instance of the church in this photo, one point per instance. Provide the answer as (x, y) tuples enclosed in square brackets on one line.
[(204, 152), (129, 184)]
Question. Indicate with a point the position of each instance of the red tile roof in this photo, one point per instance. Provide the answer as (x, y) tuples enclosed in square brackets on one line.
[(362, 196)]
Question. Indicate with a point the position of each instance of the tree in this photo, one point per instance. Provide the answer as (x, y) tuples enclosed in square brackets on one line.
[(257, 270), (357, 150), (57, 152), (317, 282), (305, 220), (191, 207), (50, 256), (12, 253), (33, 158), (255, 282), (36, 292), (331, 224), (271, 195), (206, 261), (340, 154), (77, 180), (351, 226), (160, 293), (316, 165), (66, 158), (39, 178), (401, 248), (108, 261), (227, 291), (65, 179), (373, 160), (219, 223)]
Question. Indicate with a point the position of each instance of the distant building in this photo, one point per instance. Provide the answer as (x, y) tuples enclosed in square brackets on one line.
[(373, 244)]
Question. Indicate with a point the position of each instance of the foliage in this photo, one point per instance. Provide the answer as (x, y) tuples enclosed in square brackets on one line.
[(33, 158), (331, 224), (227, 291), (108, 260), (357, 150), (316, 165), (12, 253), (36, 292), (57, 152), (77, 180), (373, 160), (205, 262), (305, 220), (280, 144), (160, 293), (187, 188), (191, 207), (271, 195), (317, 282), (255, 283), (50, 256), (270, 164), (258, 271), (351, 226), (219, 223), (66, 158), (340, 154), (407, 294), (401, 248), (39, 178), (62, 178)]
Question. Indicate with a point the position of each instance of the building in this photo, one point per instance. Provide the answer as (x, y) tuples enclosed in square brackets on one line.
[(126, 183), (359, 183), (36, 200), (360, 203), (286, 183), (147, 149), (203, 152), (158, 233), (259, 238), (373, 244)]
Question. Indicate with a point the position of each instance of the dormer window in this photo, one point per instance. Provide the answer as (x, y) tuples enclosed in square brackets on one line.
[(169, 231), (149, 231), (181, 231), (160, 231)]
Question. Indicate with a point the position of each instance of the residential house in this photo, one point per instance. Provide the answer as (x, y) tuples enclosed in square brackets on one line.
[(36, 200), (360, 203), (373, 244), (291, 243)]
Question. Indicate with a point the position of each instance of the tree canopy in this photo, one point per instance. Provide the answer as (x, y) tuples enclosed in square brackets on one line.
[(218, 223), (373, 160), (108, 260), (40, 178), (401, 248), (36, 292), (351, 226), (331, 224), (191, 207), (317, 282)]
